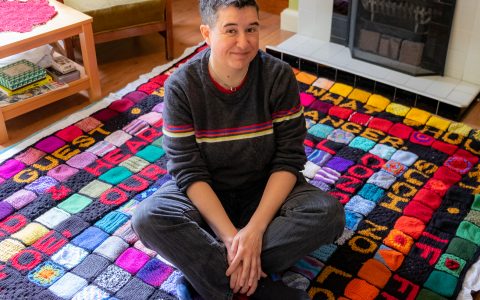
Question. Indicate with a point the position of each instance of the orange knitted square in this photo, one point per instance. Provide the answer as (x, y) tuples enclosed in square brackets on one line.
[(375, 273), (398, 240), (305, 77), (410, 225), (361, 290)]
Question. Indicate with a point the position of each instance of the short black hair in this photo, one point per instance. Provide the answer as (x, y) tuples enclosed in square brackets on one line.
[(209, 8)]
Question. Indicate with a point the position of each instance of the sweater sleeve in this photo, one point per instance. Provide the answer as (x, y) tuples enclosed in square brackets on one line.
[(288, 123), (185, 162)]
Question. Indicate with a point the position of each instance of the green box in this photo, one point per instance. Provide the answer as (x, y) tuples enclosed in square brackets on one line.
[(20, 73)]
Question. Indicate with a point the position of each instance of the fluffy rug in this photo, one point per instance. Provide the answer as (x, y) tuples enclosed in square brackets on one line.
[(407, 178)]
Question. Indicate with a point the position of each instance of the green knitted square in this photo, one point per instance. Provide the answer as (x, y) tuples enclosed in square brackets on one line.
[(362, 143), (476, 202), (473, 216), (135, 164), (151, 153), (450, 264), (429, 295), (75, 203), (95, 188), (441, 283), (469, 231), (462, 248), (116, 175), (158, 142)]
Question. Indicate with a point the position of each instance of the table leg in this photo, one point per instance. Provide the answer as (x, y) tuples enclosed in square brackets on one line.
[(3, 129), (90, 61)]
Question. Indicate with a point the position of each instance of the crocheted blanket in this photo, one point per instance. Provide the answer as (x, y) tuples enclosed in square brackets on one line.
[(23, 16), (407, 179)]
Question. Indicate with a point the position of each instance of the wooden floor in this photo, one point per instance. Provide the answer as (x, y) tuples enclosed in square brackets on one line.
[(121, 62)]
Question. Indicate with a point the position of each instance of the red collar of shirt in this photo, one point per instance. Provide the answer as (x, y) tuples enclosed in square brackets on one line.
[(225, 90)]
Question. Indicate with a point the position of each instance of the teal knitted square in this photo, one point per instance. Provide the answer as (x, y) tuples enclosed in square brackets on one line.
[(451, 264), (116, 175), (441, 283), (135, 164), (320, 130), (469, 231), (371, 192), (151, 153), (158, 142), (112, 221), (75, 203), (362, 143), (95, 188)]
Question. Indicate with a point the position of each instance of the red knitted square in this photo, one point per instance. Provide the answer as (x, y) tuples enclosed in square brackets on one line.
[(444, 147), (437, 186), (428, 197), (418, 210), (421, 138), (469, 156), (401, 131), (409, 225), (447, 175), (69, 133), (148, 87), (105, 115), (121, 105), (380, 124), (360, 118), (159, 79), (340, 112)]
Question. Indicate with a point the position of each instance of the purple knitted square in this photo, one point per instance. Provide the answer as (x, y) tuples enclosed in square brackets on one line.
[(151, 117), (62, 172), (6, 209), (155, 272), (82, 160), (50, 144), (10, 168), (321, 106), (30, 156), (88, 124), (42, 184), (158, 108), (135, 96), (132, 260), (339, 164), (21, 198)]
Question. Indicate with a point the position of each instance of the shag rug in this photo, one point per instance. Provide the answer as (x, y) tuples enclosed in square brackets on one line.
[(407, 178)]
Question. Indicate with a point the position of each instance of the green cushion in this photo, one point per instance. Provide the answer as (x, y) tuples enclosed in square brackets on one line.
[(116, 14)]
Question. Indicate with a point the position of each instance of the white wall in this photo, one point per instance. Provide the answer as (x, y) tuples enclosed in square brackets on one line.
[(463, 58)]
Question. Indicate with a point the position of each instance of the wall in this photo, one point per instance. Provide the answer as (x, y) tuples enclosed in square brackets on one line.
[(273, 6)]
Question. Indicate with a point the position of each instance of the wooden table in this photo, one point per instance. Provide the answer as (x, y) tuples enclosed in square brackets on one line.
[(67, 23)]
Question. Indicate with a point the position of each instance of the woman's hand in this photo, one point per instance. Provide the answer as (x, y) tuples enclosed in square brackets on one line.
[(245, 268)]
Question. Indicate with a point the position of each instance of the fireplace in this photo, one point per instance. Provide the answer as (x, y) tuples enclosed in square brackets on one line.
[(410, 36)]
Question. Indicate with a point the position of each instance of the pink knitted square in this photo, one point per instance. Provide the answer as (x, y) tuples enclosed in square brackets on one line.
[(30, 156), (62, 172), (88, 124), (132, 260)]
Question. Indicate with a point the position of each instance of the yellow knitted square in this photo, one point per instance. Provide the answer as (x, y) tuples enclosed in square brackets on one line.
[(359, 95), (460, 128), (418, 115), (30, 233), (397, 109), (8, 248), (438, 122), (341, 89), (378, 101), (306, 77), (411, 123), (323, 83)]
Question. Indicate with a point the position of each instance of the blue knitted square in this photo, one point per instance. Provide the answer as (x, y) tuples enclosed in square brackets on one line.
[(383, 151), (324, 252), (319, 157), (90, 238), (320, 130), (112, 221), (352, 219), (382, 179), (405, 157), (341, 136), (69, 256), (360, 205), (371, 192), (362, 143)]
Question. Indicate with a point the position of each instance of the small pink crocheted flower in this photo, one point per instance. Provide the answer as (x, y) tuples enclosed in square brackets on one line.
[(22, 16)]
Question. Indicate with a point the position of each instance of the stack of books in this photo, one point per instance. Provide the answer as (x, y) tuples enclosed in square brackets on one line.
[(23, 79)]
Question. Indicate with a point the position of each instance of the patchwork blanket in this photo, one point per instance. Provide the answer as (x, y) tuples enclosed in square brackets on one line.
[(409, 181)]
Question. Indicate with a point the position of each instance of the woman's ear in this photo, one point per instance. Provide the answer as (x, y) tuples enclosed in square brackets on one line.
[(205, 31)]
